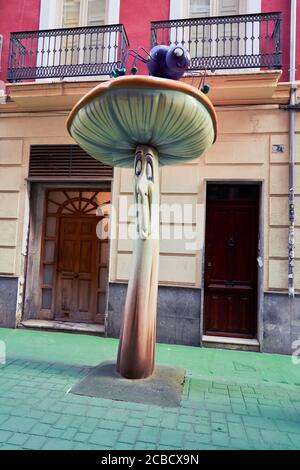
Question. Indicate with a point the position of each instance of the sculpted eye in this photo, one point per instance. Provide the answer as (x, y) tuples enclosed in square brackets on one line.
[(138, 167), (178, 52), (149, 170)]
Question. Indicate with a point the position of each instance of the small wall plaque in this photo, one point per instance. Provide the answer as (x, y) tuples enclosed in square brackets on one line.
[(278, 148)]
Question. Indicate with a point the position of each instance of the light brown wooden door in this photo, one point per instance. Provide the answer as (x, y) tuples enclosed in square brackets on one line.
[(75, 255), (77, 277)]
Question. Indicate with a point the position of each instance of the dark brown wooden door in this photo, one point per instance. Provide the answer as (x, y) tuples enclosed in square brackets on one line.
[(76, 298), (230, 303)]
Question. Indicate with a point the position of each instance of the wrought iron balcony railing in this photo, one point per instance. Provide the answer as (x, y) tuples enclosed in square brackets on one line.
[(66, 52), (225, 42)]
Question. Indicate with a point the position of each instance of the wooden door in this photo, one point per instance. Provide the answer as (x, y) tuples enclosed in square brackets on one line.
[(74, 255), (230, 302), (77, 269)]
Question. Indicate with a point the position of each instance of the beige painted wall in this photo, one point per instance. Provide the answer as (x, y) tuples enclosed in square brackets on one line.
[(243, 152), (17, 133)]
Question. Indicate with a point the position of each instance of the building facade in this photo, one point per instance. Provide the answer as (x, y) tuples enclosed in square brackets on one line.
[(224, 256)]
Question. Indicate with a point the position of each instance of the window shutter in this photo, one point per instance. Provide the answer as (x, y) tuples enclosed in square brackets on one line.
[(204, 38), (96, 13), (228, 7), (200, 35), (83, 13), (71, 13), (204, 8), (199, 8), (230, 32), (65, 162)]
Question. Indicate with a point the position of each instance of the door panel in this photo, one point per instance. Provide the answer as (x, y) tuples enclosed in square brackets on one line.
[(229, 311), (84, 295), (85, 250), (245, 226), (67, 286), (77, 269), (230, 303)]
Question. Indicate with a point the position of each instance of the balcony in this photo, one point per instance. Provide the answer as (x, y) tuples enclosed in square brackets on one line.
[(66, 52), (225, 42)]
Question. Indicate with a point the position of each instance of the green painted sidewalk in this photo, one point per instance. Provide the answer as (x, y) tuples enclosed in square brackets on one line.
[(231, 400)]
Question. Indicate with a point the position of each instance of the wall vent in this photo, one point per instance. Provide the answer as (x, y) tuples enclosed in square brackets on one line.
[(65, 162)]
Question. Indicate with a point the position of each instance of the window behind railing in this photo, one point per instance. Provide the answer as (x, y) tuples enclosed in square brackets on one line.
[(67, 52), (209, 42), (83, 13), (76, 13), (225, 42)]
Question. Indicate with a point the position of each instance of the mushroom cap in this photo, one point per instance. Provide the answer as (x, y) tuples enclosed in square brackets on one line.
[(115, 117)]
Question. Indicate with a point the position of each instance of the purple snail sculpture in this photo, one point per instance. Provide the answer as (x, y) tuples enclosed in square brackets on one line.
[(162, 61), (168, 61)]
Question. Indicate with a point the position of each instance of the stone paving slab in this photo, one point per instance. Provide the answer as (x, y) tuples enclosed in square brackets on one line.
[(231, 399), (163, 388)]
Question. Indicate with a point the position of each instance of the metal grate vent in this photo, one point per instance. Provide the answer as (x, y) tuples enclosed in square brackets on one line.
[(55, 162)]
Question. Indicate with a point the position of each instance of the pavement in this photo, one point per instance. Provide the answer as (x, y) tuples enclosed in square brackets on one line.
[(231, 399)]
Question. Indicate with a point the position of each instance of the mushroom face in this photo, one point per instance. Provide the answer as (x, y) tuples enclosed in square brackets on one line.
[(137, 340)]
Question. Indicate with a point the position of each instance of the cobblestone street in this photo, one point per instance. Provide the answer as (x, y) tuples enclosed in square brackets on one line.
[(231, 400)]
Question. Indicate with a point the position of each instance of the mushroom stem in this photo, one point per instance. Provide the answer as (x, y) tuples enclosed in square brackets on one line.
[(136, 352)]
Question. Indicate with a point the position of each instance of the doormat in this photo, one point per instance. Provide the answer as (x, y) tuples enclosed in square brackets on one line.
[(163, 388)]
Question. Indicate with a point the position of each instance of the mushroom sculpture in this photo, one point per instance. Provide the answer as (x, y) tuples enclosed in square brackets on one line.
[(143, 122)]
